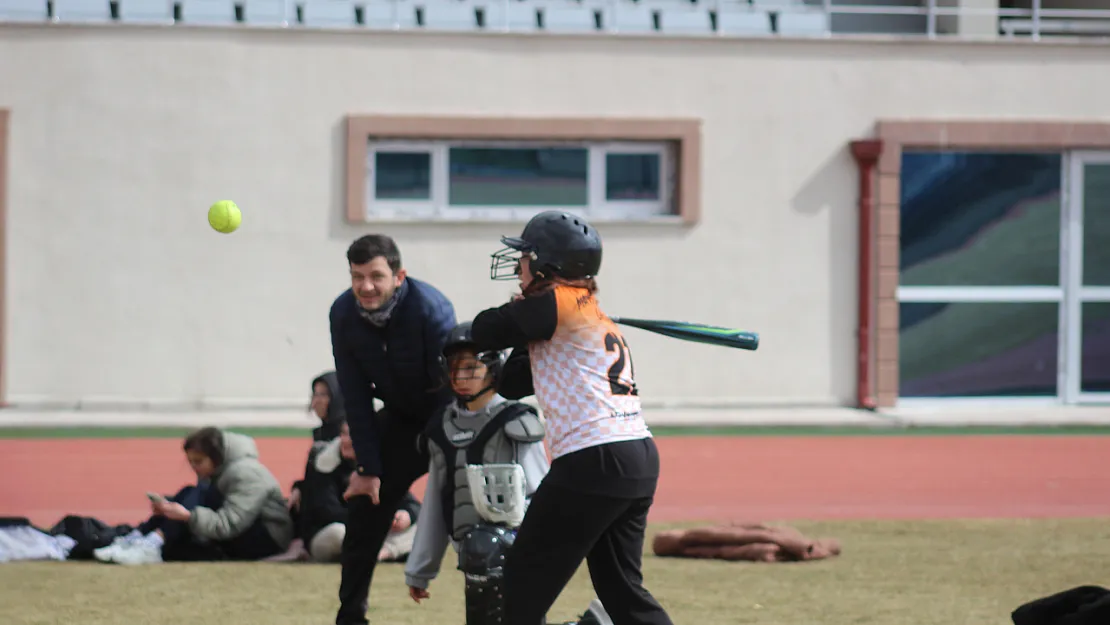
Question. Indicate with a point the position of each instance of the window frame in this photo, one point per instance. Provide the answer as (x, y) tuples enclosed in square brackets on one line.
[(597, 209)]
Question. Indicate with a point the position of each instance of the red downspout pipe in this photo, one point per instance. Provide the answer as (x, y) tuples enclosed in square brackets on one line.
[(866, 152)]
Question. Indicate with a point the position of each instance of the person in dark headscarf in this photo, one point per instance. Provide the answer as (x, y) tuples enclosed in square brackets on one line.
[(327, 404)]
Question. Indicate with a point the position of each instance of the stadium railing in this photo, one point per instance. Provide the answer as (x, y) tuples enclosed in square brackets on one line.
[(929, 19)]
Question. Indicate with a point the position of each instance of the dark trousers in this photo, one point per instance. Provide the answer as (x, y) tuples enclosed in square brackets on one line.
[(368, 524), (179, 543), (567, 523)]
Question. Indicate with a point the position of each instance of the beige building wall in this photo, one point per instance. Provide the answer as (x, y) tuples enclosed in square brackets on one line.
[(120, 138)]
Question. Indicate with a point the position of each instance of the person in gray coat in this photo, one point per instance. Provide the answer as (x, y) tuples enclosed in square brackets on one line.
[(236, 511)]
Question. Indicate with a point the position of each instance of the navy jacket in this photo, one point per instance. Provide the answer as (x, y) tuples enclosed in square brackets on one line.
[(398, 364)]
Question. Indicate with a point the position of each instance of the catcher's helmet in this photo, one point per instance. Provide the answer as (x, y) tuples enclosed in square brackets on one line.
[(461, 338)]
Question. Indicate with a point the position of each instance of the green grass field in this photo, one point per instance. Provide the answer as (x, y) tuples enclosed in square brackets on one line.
[(903, 573)]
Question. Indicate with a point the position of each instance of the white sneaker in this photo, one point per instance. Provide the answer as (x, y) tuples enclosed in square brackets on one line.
[(139, 552), (105, 554)]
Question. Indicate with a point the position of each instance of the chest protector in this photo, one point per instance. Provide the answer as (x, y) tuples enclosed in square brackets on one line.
[(492, 438)]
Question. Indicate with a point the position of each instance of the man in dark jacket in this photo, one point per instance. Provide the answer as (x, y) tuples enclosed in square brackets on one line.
[(387, 331)]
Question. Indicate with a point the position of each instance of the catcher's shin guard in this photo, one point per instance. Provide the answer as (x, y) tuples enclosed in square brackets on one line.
[(482, 561)]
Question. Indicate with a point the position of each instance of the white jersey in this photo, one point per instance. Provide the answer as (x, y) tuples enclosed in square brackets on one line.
[(583, 377)]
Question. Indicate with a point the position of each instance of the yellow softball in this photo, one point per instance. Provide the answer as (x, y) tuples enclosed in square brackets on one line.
[(224, 216)]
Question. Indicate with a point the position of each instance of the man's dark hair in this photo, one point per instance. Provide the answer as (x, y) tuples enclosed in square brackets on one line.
[(208, 441), (371, 246)]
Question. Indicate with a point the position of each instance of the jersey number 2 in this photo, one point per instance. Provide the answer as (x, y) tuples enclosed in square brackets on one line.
[(614, 343)]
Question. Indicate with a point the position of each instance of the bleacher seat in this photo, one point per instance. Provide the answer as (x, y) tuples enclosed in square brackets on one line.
[(269, 12), (146, 11), (329, 13), (82, 11), (777, 4), (568, 17), (389, 15), (624, 16), (685, 21), (450, 15), (738, 18), (803, 23), (737, 21), (208, 12), (24, 11), (511, 15), (1057, 26)]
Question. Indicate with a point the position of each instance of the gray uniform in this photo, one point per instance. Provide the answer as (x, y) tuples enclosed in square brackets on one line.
[(520, 441)]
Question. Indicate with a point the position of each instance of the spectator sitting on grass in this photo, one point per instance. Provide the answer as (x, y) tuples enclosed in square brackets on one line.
[(327, 405), (322, 511), (235, 512)]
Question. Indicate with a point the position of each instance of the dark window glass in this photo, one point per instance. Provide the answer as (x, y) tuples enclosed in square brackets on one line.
[(402, 175), (980, 219), (632, 176), (978, 349), (1095, 363), (1096, 225), (518, 177)]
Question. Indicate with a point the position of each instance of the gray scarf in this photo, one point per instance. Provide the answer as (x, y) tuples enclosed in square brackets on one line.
[(380, 317)]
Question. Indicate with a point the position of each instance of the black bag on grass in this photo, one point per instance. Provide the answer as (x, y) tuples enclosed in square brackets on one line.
[(1082, 605), (15, 521), (89, 533)]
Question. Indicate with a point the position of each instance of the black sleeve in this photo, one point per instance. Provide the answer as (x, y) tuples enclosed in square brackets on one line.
[(309, 467), (517, 323), (516, 376), (299, 484), (439, 320), (357, 399)]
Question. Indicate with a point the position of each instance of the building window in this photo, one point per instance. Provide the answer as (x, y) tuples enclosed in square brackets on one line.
[(980, 291), (978, 349), (514, 180), (518, 176), (402, 176)]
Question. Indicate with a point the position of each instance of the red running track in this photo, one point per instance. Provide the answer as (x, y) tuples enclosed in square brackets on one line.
[(704, 478)]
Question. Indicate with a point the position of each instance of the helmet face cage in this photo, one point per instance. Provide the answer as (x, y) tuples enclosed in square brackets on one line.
[(505, 263)]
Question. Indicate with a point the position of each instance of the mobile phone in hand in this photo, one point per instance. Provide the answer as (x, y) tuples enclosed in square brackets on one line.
[(155, 497)]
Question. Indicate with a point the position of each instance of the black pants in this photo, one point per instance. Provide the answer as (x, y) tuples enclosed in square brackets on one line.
[(179, 543), (592, 505), (368, 524)]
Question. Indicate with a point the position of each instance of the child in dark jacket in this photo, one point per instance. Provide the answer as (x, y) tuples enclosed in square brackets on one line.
[(322, 511), (327, 405)]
